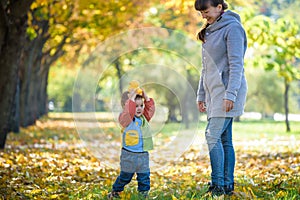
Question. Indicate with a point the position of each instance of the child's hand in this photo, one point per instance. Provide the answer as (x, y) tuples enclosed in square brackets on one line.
[(132, 94), (145, 96)]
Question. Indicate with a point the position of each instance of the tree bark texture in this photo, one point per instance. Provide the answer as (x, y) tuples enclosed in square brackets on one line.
[(34, 74), (13, 22), (32, 101)]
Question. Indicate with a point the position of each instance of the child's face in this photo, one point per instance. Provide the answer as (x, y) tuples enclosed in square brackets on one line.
[(139, 107)]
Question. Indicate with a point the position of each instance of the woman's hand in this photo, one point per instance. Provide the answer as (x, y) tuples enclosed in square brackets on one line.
[(227, 105), (201, 106)]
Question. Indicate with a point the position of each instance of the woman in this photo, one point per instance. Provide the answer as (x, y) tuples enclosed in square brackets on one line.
[(222, 87)]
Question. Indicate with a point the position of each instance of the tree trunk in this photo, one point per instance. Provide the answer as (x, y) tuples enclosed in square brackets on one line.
[(286, 105), (25, 77), (46, 62), (172, 114), (8, 83), (119, 74), (237, 119), (172, 105), (27, 101), (33, 91), (15, 126), (43, 98), (13, 22), (185, 111)]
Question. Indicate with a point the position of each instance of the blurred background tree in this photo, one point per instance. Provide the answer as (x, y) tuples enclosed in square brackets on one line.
[(276, 44)]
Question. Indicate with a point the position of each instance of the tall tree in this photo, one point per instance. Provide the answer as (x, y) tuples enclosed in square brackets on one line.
[(29, 46), (37, 57), (60, 28), (13, 21), (279, 42)]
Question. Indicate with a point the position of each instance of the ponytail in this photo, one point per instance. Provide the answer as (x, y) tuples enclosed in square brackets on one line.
[(201, 34)]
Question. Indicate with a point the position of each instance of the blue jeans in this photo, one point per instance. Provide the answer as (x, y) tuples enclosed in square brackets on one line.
[(125, 177), (132, 163), (222, 156)]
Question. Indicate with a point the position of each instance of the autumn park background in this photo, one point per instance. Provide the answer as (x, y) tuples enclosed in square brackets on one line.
[(63, 65)]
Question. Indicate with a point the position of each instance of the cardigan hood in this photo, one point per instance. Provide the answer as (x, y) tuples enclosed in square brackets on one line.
[(225, 19)]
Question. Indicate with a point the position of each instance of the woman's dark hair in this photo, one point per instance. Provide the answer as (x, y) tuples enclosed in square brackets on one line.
[(201, 5)]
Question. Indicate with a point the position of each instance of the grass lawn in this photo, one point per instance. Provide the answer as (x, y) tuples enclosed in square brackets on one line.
[(267, 129), (48, 161)]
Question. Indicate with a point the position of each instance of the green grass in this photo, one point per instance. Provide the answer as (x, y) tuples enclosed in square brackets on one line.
[(247, 130), (242, 130), (253, 130)]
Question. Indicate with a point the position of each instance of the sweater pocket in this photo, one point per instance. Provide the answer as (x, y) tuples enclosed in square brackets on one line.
[(131, 137)]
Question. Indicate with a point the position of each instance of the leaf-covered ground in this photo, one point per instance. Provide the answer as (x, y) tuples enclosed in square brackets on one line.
[(48, 161)]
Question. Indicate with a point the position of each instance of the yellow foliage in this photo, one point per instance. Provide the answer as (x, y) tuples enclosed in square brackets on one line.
[(54, 196), (134, 85), (35, 191), (281, 194), (58, 173), (251, 192), (20, 158)]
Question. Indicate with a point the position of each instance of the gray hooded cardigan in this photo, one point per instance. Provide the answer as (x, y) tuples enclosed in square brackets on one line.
[(222, 74)]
